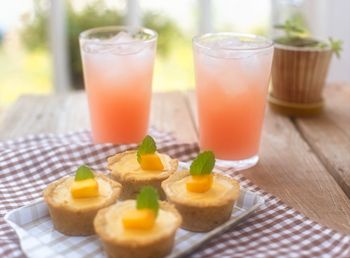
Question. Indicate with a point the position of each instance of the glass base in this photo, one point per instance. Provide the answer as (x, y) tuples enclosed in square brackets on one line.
[(239, 164)]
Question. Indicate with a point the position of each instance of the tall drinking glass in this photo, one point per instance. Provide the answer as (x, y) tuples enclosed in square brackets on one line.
[(232, 76), (118, 66)]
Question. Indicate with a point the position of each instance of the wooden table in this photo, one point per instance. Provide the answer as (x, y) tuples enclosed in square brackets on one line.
[(304, 161)]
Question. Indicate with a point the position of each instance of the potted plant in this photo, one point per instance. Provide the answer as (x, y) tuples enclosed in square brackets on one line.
[(299, 71)]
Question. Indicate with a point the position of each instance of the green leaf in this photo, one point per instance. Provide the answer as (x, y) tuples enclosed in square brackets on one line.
[(336, 46), (291, 28), (148, 199), (322, 45), (148, 146), (203, 164), (298, 41), (83, 172)]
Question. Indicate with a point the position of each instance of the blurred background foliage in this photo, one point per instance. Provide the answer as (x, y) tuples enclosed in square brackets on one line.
[(94, 14), (26, 64)]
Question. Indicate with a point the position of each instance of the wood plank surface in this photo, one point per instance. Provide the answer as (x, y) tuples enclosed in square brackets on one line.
[(291, 171), (329, 134), (45, 114), (63, 113), (170, 113)]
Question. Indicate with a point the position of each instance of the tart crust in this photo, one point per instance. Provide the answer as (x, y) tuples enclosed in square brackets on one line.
[(130, 248), (202, 216), (77, 221), (132, 184)]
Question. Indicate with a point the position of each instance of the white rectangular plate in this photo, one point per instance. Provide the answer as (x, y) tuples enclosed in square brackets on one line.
[(38, 238)]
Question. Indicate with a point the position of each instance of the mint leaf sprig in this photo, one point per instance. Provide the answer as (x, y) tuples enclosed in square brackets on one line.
[(203, 164), (148, 199), (148, 146), (83, 172)]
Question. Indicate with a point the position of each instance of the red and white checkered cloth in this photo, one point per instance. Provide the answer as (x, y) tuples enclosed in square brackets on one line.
[(28, 165)]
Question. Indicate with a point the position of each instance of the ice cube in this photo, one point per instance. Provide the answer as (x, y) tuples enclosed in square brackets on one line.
[(231, 48), (122, 37), (125, 44), (232, 43), (121, 44), (93, 46)]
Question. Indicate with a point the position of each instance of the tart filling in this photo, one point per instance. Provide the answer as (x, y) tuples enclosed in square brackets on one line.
[(164, 224), (62, 195), (219, 189), (128, 166)]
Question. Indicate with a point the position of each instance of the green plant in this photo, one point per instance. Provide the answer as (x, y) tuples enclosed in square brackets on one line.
[(297, 36), (33, 35), (166, 29), (1, 38), (95, 14), (336, 46)]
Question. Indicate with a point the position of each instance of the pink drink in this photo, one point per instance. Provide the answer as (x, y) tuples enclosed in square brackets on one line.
[(118, 72), (232, 77)]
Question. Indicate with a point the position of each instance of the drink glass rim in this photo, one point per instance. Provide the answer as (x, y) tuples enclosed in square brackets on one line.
[(84, 35), (268, 43)]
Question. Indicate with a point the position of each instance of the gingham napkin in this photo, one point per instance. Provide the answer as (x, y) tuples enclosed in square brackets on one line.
[(28, 164)]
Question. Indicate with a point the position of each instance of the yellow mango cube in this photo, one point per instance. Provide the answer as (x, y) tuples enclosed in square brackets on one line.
[(199, 184), (151, 162), (84, 188), (139, 219)]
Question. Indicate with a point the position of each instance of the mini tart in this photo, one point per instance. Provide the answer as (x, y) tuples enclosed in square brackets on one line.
[(74, 216), (202, 212), (119, 242), (126, 170)]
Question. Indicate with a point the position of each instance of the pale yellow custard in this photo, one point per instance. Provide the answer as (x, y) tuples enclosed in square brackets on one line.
[(219, 189), (62, 194), (165, 223), (129, 166)]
